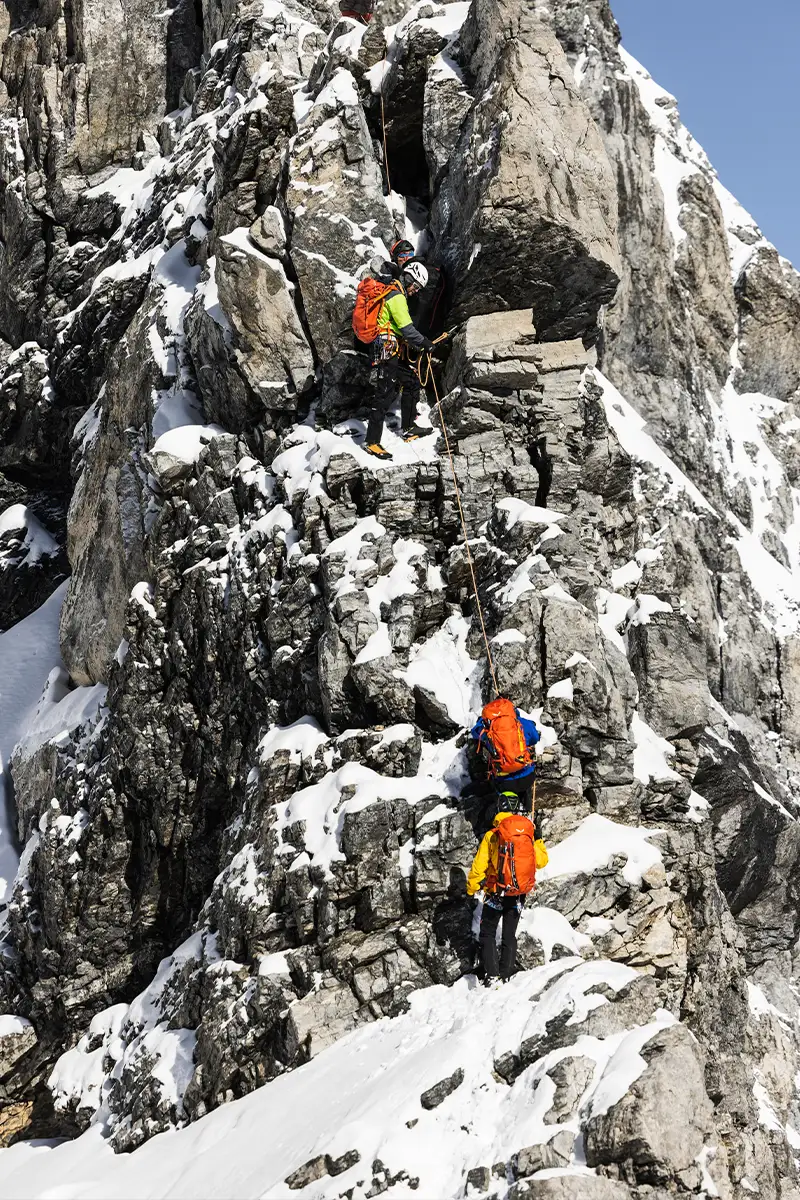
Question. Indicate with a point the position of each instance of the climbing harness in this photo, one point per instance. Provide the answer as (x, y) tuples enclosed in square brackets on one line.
[(385, 347)]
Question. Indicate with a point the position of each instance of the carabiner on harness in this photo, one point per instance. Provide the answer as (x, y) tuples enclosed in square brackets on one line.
[(384, 347)]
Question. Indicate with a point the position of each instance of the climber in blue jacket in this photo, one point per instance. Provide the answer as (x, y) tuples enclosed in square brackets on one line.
[(507, 740)]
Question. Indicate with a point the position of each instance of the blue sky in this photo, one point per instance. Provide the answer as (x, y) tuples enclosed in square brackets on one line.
[(733, 65)]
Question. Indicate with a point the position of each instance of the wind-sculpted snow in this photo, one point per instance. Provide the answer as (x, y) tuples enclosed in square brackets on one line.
[(247, 813)]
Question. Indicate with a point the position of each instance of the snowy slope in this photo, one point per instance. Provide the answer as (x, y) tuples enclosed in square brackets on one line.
[(359, 1100), (364, 1093), (28, 653)]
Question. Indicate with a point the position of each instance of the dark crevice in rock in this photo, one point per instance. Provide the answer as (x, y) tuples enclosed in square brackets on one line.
[(184, 46)]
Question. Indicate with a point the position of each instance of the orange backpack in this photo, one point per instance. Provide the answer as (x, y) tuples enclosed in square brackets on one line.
[(516, 856), (369, 302), (504, 739)]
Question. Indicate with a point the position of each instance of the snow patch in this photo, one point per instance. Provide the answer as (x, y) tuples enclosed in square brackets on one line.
[(630, 430), (29, 651), (363, 1093), (442, 666), (593, 845), (652, 755)]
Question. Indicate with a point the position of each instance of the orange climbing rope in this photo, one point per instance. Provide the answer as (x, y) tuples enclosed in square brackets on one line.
[(430, 376)]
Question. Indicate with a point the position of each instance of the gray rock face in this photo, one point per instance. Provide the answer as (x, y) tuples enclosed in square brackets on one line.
[(593, 1187), (259, 843), (527, 172), (86, 86), (440, 1091), (118, 79), (768, 292), (635, 1128), (336, 228), (555, 1153), (673, 321), (251, 354), (107, 511), (756, 846), (668, 649)]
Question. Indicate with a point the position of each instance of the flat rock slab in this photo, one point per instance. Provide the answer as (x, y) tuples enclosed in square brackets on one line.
[(570, 1187)]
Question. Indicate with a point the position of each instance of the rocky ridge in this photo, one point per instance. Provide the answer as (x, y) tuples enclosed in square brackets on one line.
[(272, 781)]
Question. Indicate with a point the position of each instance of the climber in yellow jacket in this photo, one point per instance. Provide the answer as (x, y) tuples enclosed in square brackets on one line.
[(505, 866)]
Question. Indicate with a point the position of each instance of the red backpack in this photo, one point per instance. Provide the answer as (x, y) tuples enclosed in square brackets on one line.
[(516, 856), (503, 739), (369, 302)]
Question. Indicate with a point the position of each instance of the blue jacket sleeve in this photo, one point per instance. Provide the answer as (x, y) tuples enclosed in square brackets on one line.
[(477, 729), (530, 731)]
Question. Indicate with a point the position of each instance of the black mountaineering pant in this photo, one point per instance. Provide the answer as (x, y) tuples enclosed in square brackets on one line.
[(510, 910), (391, 377)]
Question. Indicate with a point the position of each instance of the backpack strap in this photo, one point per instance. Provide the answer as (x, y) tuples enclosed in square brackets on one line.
[(392, 289), (484, 742)]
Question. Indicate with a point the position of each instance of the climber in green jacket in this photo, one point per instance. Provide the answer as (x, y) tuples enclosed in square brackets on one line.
[(397, 339)]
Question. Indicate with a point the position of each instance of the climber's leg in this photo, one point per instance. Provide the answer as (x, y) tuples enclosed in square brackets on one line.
[(512, 910), (543, 463), (409, 402), (385, 394), (490, 919)]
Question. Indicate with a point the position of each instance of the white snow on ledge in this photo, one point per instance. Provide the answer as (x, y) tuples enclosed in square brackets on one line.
[(550, 928), (442, 666), (29, 651), (185, 443), (302, 739), (11, 1025), (652, 755), (515, 511), (630, 430), (60, 710), (593, 845), (38, 542)]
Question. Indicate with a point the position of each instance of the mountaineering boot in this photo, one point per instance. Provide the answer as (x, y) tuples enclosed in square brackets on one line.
[(377, 451), (413, 432)]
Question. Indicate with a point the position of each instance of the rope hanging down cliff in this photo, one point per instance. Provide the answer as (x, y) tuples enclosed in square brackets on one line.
[(426, 375), (383, 128), (424, 371)]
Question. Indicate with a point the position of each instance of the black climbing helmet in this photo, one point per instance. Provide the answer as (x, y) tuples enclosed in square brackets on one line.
[(402, 251), (510, 802)]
